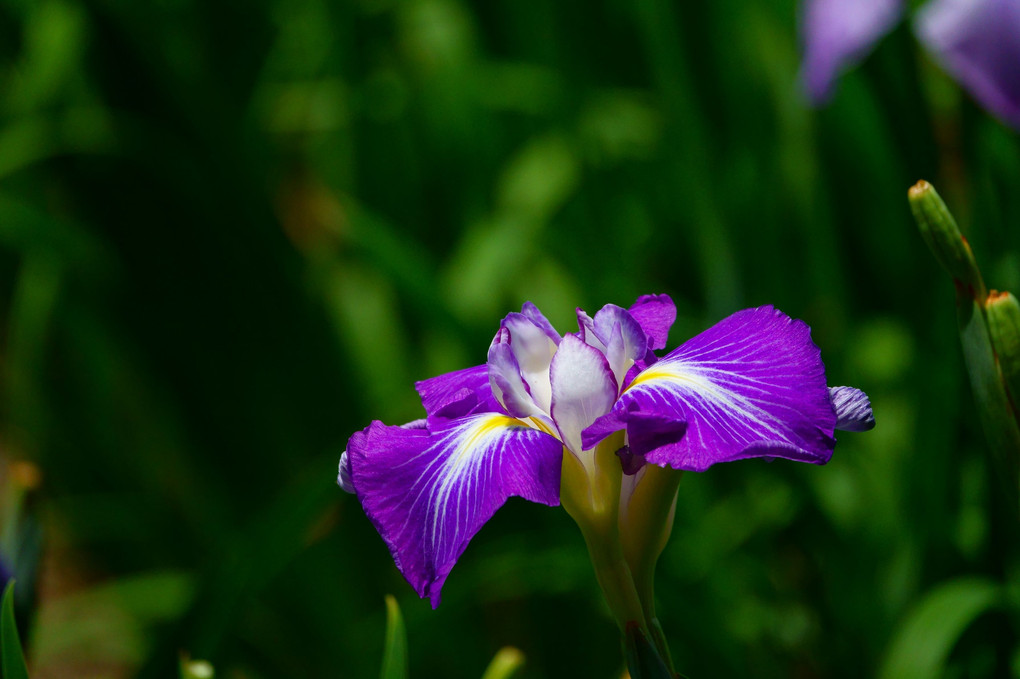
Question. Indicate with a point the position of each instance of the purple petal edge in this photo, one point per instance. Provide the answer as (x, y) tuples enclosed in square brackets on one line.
[(656, 315), (853, 409)]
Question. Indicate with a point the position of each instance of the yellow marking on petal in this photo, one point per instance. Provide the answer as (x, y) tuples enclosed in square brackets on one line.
[(540, 425)]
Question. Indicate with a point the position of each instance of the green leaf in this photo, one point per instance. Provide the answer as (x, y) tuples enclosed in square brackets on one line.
[(12, 660), (504, 664), (994, 410), (394, 664), (924, 641)]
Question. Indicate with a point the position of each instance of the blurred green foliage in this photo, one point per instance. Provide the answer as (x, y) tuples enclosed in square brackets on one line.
[(232, 233)]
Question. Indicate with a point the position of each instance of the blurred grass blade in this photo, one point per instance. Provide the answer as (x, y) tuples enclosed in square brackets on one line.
[(12, 660), (394, 664), (504, 664), (921, 647)]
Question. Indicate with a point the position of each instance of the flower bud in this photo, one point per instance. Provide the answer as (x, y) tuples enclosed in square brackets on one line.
[(1003, 313), (940, 232)]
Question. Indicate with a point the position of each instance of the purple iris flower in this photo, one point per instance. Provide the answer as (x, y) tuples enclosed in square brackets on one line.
[(753, 385), (976, 41)]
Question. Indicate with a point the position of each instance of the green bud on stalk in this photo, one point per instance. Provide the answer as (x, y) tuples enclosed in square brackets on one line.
[(943, 236), (1003, 313)]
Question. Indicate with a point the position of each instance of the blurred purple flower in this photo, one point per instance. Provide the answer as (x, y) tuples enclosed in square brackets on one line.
[(837, 34), (976, 41), (753, 385)]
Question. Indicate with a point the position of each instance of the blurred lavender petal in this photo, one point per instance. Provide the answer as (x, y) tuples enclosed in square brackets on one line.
[(978, 43), (836, 35)]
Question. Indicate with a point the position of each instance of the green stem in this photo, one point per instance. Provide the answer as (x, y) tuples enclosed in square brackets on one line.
[(591, 495), (646, 521)]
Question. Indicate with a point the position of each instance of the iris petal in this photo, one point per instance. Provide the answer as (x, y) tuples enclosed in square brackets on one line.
[(656, 315), (583, 388), (752, 385), (429, 492), (978, 42), (853, 409), (539, 319), (457, 393), (838, 33), (505, 378)]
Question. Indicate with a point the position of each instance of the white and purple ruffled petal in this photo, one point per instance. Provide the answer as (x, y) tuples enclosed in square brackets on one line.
[(533, 349), (624, 338), (853, 409), (539, 319), (583, 389), (978, 43), (752, 385), (838, 33), (508, 386), (429, 492)]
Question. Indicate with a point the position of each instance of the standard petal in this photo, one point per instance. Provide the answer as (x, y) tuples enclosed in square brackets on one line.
[(343, 477), (428, 493), (623, 337), (853, 409), (505, 379), (656, 314), (753, 385), (583, 388), (838, 33), (539, 319), (457, 393), (978, 43), (533, 349)]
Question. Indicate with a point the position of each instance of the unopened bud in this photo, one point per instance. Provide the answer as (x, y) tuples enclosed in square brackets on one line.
[(1003, 313), (940, 232)]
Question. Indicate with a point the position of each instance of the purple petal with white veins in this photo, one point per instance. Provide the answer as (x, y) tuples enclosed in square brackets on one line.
[(539, 319), (853, 409), (428, 493), (656, 314), (583, 388), (978, 43), (752, 385), (837, 34)]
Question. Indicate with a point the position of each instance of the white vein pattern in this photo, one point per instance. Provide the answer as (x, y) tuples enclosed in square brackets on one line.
[(434, 491), (747, 387)]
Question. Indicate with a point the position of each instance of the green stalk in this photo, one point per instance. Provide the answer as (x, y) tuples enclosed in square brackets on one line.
[(591, 495), (646, 521)]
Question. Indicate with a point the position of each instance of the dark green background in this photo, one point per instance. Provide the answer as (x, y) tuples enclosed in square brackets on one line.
[(232, 233)]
